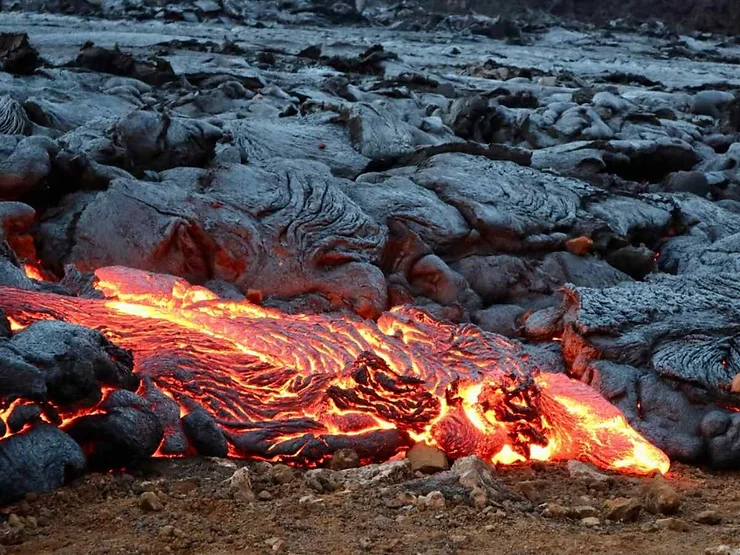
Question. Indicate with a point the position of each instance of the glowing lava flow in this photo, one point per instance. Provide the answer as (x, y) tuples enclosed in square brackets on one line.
[(298, 387)]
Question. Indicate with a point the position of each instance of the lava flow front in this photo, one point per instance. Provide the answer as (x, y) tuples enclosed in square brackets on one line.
[(296, 388)]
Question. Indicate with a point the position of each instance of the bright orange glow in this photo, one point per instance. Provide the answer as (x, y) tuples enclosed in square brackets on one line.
[(283, 387), (33, 271)]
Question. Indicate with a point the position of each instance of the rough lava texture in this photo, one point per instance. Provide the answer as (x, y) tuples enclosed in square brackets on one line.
[(571, 186)]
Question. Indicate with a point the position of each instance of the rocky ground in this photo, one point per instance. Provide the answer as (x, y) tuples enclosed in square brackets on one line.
[(206, 507)]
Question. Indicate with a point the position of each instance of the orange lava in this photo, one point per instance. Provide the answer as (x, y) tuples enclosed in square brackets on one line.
[(290, 387), (33, 271)]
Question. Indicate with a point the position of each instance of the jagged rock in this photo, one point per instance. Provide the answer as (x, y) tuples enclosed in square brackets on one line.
[(240, 485), (155, 72), (285, 230), (154, 142), (17, 56), (388, 473), (665, 347)]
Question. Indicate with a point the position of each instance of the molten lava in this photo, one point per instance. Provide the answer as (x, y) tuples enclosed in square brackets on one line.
[(297, 387)]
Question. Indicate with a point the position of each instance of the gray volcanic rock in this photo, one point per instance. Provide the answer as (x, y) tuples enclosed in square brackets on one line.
[(664, 352), (25, 163), (285, 230)]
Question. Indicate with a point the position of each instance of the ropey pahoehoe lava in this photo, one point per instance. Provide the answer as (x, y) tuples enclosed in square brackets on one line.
[(296, 388)]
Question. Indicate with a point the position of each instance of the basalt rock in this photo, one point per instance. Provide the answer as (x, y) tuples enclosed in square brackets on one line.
[(285, 230), (38, 460), (664, 352), (17, 56)]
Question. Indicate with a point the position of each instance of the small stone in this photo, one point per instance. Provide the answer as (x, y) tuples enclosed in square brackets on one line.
[(150, 502), (406, 498), (722, 550), (584, 511), (282, 474), (427, 459), (167, 531), (553, 510), (587, 473), (548, 80), (472, 471), (590, 521), (344, 459), (580, 246), (183, 487), (660, 497), (671, 523), (478, 497), (323, 480), (458, 539), (240, 485), (261, 468), (15, 521), (710, 517), (623, 509), (32, 496), (275, 544), (264, 495), (434, 500)]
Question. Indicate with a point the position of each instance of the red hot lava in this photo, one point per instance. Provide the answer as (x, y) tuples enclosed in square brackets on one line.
[(296, 387)]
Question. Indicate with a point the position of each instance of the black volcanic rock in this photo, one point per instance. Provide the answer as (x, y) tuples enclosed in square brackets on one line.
[(204, 434), (38, 460), (74, 361), (17, 56)]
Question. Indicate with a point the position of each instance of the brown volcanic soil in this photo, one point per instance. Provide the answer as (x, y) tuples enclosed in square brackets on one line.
[(101, 514)]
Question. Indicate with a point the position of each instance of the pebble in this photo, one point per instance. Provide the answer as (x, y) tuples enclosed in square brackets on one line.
[(240, 485), (264, 495), (709, 516), (275, 544), (434, 500), (282, 474), (427, 459), (660, 496), (15, 521), (183, 487), (623, 509), (167, 531), (553, 510), (590, 521), (722, 550), (323, 480), (587, 473), (150, 502), (478, 497), (582, 512), (672, 523), (344, 459)]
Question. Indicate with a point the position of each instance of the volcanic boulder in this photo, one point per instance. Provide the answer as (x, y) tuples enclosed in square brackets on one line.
[(286, 230)]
